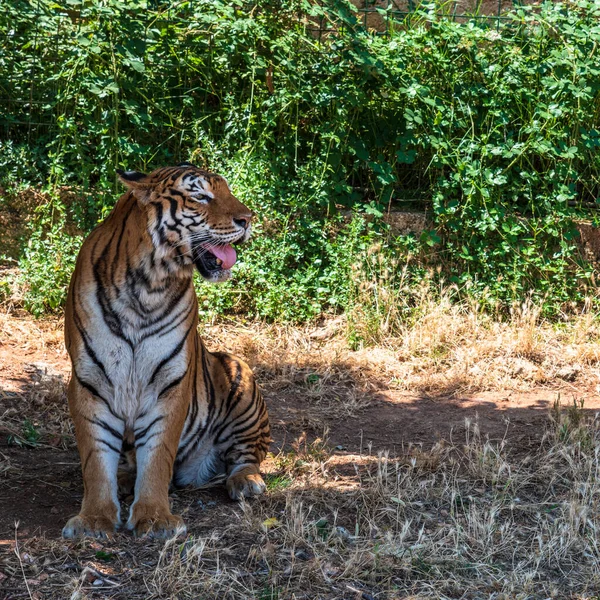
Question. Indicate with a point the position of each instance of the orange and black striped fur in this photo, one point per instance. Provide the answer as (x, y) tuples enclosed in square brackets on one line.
[(141, 372)]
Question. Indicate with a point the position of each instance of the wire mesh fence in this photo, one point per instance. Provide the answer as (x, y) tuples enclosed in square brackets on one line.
[(379, 16), (110, 83), (27, 90)]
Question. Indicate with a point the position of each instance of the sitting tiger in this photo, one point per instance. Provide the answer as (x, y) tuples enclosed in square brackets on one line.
[(140, 371)]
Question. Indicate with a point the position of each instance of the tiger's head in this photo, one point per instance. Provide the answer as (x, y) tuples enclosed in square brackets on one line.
[(193, 217)]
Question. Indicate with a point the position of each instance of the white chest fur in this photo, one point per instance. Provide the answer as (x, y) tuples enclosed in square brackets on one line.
[(131, 365)]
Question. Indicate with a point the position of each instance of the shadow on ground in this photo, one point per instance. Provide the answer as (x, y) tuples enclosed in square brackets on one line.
[(39, 464)]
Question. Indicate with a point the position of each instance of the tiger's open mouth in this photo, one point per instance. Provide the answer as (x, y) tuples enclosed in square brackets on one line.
[(214, 262)]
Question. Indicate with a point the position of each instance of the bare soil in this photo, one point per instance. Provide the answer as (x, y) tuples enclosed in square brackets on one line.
[(34, 369), (343, 403)]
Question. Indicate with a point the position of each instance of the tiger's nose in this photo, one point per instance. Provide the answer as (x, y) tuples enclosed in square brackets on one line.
[(243, 221)]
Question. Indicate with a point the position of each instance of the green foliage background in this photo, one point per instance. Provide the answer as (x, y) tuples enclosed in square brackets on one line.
[(495, 131)]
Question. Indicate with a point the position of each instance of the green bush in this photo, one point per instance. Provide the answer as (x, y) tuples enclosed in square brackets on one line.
[(45, 269), (495, 131)]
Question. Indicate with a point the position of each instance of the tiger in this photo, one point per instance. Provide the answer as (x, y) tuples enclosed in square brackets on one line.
[(141, 374)]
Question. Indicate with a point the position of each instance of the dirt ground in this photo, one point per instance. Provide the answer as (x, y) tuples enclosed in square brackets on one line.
[(34, 368), (333, 411)]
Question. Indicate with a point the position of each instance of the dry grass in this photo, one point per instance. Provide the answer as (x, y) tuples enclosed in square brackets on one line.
[(438, 346), (441, 348), (447, 349), (465, 520)]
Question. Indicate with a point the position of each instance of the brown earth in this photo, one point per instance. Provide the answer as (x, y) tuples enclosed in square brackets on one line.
[(41, 482)]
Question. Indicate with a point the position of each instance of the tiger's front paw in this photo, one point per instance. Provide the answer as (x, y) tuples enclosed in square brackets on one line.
[(245, 483), (97, 526), (155, 522)]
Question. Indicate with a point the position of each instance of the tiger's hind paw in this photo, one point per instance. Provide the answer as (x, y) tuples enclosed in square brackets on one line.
[(245, 483)]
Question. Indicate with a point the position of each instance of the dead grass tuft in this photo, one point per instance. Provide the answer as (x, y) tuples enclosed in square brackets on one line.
[(468, 518), (453, 348), (464, 518)]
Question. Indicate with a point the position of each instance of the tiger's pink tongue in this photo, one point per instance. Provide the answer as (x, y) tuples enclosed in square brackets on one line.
[(225, 253)]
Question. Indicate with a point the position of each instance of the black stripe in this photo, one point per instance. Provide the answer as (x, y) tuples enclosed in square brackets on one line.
[(113, 448), (209, 388), (172, 323), (188, 447), (90, 388), (117, 256), (242, 418), (261, 433), (238, 433), (163, 240), (111, 318), (171, 385), (233, 391), (142, 444), (179, 322), (144, 431), (104, 425), (133, 296), (193, 406), (88, 348), (175, 228), (174, 298), (173, 354), (158, 225), (173, 211), (197, 436)]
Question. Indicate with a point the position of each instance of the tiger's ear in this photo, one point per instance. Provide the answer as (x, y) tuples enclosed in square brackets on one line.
[(137, 182), (131, 178)]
